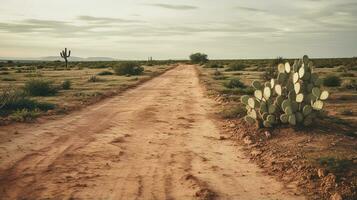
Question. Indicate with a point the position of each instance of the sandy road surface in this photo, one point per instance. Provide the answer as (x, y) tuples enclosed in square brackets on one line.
[(156, 141)]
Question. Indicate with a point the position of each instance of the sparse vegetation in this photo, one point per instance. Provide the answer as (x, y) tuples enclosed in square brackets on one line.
[(40, 87), (13, 99), (335, 165), (214, 65), (105, 73), (24, 115), (66, 84), (40, 83), (332, 81), (234, 83), (93, 79), (235, 66), (128, 68), (234, 112)]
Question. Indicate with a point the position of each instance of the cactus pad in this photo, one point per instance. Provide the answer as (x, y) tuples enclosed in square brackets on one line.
[(324, 95), (258, 94), (287, 67), (299, 98), (281, 68), (244, 99)]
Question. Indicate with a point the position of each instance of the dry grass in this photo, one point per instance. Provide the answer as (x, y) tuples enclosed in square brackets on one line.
[(82, 91)]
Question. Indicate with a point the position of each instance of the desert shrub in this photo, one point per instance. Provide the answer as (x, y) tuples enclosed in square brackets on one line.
[(271, 70), (36, 74), (8, 79), (4, 73), (238, 91), (235, 112), (235, 67), (347, 74), (93, 79), (197, 58), (40, 87), (213, 65), (98, 66), (128, 68), (105, 73), (221, 77), (342, 69), (24, 115), (336, 165), (66, 84), (349, 84), (234, 83), (332, 81), (14, 99), (217, 72)]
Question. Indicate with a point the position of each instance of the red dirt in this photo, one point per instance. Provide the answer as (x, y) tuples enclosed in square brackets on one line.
[(156, 141)]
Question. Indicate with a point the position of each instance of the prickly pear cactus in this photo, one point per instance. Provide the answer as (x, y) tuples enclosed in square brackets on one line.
[(295, 97)]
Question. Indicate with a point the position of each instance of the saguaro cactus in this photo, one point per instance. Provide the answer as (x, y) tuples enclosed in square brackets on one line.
[(294, 98), (64, 55)]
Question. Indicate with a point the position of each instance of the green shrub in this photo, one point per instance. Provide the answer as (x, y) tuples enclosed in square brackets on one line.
[(220, 77), (11, 99), (8, 79), (332, 81), (99, 67), (40, 87), (197, 58), (234, 83), (66, 84), (105, 73), (128, 68), (213, 65), (347, 74), (24, 115), (235, 67), (238, 91), (336, 165)]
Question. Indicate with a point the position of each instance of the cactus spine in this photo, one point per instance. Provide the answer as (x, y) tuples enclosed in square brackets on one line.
[(65, 56), (294, 98)]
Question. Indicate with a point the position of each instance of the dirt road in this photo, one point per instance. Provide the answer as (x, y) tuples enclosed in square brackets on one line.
[(156, 141)]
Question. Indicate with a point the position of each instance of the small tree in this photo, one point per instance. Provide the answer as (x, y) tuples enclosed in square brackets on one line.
[(198, 58), (65, 56)]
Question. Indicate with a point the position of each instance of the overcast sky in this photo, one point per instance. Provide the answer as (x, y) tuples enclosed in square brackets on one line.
[(163, 29)]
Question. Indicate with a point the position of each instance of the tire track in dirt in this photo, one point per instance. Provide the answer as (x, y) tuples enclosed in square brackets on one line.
[(156, 141)]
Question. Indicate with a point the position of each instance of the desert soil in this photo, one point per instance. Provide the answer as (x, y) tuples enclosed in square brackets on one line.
[(156, 141)]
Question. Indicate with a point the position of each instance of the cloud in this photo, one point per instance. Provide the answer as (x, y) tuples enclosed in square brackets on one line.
[(174, 7), (250, 9), (93, 19), (93, 26)]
